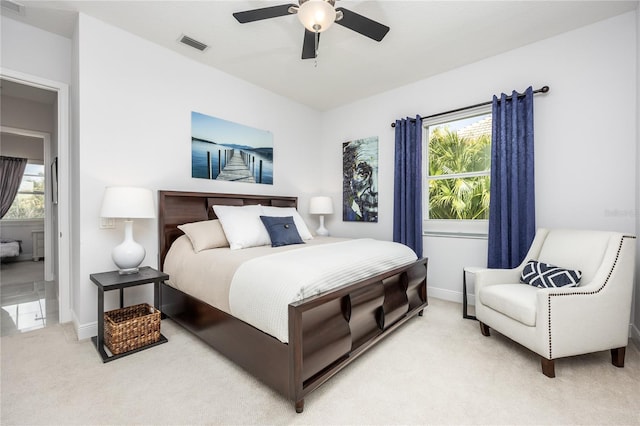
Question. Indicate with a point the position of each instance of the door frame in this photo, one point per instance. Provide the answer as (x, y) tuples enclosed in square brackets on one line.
[(64, 187)]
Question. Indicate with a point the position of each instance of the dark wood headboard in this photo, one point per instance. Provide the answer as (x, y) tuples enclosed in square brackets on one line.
[(177, 208)]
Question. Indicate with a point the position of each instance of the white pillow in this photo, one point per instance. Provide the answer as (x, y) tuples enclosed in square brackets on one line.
[(207, 234), (242, 226), (289, 211)]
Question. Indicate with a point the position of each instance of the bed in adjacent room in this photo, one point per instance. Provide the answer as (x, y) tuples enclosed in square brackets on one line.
[(10, 248), (292, 314)]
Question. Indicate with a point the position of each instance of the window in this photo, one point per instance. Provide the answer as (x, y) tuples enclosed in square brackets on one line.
[(457, 169), (29, 202)]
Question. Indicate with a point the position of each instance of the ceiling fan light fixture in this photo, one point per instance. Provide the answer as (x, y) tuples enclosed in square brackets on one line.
[(317, 15)]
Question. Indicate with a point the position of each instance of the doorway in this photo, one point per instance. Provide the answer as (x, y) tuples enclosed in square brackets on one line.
[(37, 235), (56, 153), (28, 287)]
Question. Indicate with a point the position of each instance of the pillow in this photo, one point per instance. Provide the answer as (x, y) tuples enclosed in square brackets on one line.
[(304, 232), (207, 234), (544, 275), (242, 226), (282, 230)]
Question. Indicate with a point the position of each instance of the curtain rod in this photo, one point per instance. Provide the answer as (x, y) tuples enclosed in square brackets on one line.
[(543, 89)]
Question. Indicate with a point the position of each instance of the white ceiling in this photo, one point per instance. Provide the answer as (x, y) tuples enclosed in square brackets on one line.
[(426, 38)]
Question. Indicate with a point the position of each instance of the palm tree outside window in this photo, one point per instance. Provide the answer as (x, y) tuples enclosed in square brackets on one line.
[(30, 201), (457, 173)]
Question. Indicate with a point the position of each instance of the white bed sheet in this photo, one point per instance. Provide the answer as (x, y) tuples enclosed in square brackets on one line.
[(251, 284), (207, 274)]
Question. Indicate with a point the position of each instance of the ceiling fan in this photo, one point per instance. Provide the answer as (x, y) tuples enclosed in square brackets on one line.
[(317, 16)]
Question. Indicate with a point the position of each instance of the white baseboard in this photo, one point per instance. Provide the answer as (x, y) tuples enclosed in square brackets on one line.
[(444, 294), (449, 295), (84, 331)]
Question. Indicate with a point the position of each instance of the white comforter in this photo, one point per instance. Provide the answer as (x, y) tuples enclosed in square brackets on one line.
[(262, 288)]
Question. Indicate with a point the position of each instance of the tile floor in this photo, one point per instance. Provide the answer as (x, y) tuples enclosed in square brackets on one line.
[(27, 306)]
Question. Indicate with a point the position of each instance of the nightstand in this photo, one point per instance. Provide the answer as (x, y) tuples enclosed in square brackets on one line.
[(112, 280), (37, 238)]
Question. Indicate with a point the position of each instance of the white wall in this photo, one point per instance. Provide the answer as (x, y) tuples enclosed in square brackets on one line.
[(74, 176), (34, 51), (22, 146), (27, 115), (636, 322), (134, 107), (585, 136)]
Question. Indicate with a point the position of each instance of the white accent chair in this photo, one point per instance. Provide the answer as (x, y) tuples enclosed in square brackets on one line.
[(562, 322)]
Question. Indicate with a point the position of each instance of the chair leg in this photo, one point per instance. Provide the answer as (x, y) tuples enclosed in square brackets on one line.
[(617, 356), (548, 367), (484, 329)]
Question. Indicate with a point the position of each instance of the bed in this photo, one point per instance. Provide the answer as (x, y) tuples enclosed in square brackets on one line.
[(10, 248), (325, 332)]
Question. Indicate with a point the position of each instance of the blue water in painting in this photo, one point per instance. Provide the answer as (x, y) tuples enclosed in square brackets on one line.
[(199, 151)]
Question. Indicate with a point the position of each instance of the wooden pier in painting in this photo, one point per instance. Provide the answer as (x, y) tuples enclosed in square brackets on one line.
[(236, 170)]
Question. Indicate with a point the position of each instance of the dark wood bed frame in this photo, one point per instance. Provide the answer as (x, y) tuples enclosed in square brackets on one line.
[(326, 332)]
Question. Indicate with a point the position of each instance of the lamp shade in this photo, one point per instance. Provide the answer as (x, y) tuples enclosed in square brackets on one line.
[(321, 205), (128, 202), (316, 15)]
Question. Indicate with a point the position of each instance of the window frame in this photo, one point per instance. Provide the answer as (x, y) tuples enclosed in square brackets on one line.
[(458, 228), (27, 220)]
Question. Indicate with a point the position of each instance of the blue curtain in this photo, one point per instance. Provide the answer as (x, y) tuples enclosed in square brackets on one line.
[(512, 223), (407, 199)]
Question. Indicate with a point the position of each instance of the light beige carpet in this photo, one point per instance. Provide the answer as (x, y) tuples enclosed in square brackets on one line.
[(437, 369)]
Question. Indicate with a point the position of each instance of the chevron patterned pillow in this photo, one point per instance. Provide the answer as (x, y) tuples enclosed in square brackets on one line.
[(545, 275)]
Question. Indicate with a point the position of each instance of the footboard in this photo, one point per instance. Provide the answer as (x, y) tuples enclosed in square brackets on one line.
[(328, 331)]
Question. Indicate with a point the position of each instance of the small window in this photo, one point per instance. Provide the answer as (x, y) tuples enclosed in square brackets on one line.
[(457, 170), (29, 202)]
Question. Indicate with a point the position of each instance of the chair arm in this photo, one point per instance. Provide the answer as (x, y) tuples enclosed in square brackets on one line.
[(487, 277), (573, 321)]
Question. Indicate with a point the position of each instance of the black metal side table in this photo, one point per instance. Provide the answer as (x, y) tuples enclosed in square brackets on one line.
[(112, 280)]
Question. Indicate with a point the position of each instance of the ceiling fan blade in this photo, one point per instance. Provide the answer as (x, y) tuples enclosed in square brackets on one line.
[(362, 25), (263, 13), (309, 44)]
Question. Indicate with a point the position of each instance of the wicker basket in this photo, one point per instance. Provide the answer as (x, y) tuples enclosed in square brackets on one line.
[(131, 328)]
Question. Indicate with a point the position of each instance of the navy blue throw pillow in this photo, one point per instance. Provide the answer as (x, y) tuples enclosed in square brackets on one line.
[(545, 275), (282, 230)]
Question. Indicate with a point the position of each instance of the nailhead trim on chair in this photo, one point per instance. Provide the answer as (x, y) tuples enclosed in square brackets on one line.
[(615, 262)]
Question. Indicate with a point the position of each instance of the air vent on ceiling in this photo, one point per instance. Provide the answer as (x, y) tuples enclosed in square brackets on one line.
[(193, 43), (13, 6)]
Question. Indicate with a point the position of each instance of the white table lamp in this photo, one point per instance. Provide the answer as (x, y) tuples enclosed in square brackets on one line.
[(128, 203), (321, 206)]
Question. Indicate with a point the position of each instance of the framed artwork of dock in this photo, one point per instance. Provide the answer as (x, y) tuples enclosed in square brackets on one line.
[(227, 151), (360, 180)]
